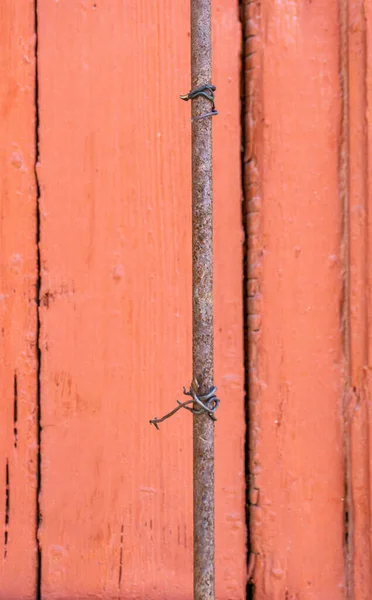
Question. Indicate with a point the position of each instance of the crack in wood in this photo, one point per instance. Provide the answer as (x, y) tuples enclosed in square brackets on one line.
[(7, 507), (121, 556), (15, 410)]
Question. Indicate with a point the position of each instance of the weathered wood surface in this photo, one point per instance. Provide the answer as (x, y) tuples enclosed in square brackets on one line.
[(18, 307), (296, 306), (116, 495), (308, 88)]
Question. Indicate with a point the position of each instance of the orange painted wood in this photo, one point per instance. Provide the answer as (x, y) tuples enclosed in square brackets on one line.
[(18, 277), (368, 120), (116, 495), (296, 306), (358, 409)]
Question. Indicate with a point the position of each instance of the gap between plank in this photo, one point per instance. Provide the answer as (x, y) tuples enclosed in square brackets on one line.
[(37, 299)]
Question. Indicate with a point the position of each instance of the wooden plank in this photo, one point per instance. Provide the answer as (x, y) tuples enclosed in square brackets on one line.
[(358, 392), (296, 341), (231, 535), (368, 117), (18, 321), (116, 300)]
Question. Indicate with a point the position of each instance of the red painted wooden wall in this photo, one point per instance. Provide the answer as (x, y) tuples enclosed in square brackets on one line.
[(95, 310)]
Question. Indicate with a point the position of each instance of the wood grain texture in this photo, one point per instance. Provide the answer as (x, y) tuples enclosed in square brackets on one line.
[(357, 413), (116, 495), (368, 124), (18, 277), (295, 289)]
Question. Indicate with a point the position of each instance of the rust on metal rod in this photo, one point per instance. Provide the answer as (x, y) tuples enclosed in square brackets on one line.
[(202, 266)]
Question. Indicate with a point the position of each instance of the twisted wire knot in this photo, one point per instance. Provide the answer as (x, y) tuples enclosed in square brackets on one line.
[(206, 91), (207, 403)]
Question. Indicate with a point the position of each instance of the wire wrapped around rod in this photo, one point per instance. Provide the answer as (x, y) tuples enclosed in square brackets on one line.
[(206, 91), (201, 403)]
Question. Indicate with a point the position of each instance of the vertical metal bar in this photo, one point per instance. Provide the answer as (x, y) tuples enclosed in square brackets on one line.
[(202, 268)]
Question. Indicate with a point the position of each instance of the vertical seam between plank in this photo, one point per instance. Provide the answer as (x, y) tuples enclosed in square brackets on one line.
[(241, 12), (38, 324)]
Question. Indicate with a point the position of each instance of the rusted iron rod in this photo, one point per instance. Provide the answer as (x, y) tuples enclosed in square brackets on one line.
[(202, 270)]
